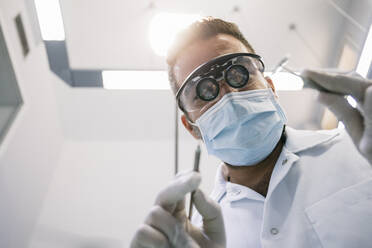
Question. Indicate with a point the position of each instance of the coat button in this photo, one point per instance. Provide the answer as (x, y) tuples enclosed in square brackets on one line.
[(274, 231), (284, 161)]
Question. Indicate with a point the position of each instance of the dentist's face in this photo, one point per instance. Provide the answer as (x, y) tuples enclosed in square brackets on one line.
[(203, 51)]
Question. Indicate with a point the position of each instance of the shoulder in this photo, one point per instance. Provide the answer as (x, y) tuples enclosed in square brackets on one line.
[(330, 152), (325, 146), (304, 140), (339, 142)]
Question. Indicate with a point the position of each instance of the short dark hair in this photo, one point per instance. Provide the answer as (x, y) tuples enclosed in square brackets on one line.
[(202, 29)]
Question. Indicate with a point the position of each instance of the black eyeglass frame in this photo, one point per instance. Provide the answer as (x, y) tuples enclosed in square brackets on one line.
[(212, 65)]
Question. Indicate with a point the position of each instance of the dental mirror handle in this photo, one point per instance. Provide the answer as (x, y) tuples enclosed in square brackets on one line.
[(308, 83), (196, 168)]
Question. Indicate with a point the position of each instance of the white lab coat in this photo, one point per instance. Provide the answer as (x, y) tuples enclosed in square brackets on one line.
[(320, 195)]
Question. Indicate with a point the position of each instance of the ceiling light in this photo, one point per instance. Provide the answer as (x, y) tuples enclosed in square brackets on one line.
[(135, 80), (164, 27), (351, 101), (286, 81), (50, 19)]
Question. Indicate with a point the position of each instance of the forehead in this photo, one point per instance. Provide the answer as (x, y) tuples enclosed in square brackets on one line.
[(202, 51)]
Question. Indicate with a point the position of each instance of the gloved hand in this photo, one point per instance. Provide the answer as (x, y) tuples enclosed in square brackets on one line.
[(167, 224), (357, 121)]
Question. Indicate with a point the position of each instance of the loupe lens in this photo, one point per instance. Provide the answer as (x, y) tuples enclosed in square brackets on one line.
[(207, 89), (237, 76)]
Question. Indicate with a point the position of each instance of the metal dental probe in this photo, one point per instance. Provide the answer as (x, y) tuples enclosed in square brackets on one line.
[(308, 83)]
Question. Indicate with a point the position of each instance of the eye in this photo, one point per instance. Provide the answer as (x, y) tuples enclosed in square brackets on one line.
[(237, 76), (207, 89)]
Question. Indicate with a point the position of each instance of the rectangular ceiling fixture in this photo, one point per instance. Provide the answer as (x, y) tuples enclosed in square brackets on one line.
[(135, 80), (50, 19), (285, 81)]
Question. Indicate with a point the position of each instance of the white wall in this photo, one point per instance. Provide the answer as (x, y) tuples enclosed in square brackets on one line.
[(352, 36), (29, 153), (82, 166), (104, 196), (118, 153)]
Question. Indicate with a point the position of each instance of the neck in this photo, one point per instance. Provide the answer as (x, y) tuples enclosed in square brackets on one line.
[(256, 177)]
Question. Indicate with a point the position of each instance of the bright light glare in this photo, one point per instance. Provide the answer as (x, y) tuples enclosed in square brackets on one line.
[(366, 56), (351, 101), (164, 27), (50, 19), (135, 80), (340, 125), (286, 81)]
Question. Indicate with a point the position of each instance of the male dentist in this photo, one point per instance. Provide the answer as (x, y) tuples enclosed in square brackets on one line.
[(276, 186)]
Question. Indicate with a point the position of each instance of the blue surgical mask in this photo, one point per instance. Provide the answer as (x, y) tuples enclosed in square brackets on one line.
[(243, 128)]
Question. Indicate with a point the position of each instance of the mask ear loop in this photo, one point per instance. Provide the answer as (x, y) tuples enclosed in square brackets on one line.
[(195, 128)]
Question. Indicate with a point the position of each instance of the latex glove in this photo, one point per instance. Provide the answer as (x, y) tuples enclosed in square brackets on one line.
[(167, 224), (357, 121)]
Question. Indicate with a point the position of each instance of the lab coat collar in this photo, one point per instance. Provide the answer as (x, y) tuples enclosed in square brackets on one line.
[(220, 185), (297, 141)]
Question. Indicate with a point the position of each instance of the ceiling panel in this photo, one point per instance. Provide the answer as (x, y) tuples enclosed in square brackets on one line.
[(113, 34)]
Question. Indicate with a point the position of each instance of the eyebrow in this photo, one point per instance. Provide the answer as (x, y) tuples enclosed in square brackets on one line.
[(226, 46), (223, 47)]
